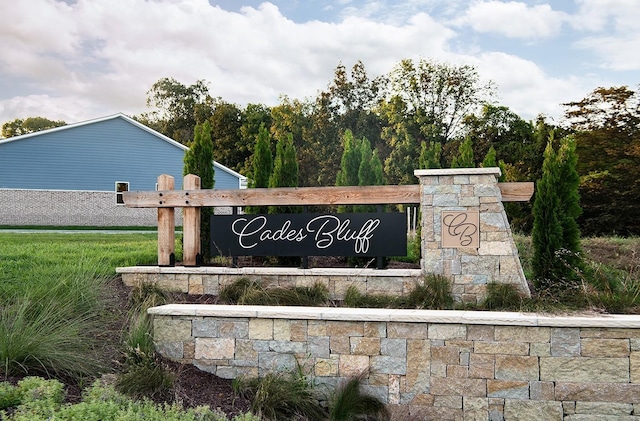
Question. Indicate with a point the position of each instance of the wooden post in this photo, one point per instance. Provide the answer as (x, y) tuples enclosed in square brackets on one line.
[(191, 250), (166, 225)]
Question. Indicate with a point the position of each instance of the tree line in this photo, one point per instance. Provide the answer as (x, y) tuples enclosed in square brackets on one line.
[(422, 114)]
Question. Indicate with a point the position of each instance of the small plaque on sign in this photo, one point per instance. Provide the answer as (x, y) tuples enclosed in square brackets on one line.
[(460, 229)]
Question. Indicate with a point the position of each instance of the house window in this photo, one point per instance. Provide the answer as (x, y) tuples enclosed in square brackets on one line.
[(121, 186)]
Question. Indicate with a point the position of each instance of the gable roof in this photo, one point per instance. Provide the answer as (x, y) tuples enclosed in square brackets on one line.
[(242, 179)]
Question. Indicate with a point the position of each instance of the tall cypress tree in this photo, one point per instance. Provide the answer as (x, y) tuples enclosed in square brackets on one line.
[(430, 154), (465, 155), (555, 236), (198, 160), (285, 170), (369, 171), (349, 165), (262, 165)]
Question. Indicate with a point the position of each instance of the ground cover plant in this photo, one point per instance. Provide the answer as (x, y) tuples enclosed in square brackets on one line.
[(64, 285)]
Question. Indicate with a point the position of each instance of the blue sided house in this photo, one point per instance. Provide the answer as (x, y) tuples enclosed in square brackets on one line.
[(72, 175)]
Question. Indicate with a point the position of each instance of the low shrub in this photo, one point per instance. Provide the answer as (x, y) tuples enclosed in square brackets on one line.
[(433, 292), (41, 400), (503, 297), (246, 292), (281, 396), (355, 299), (47, 336), (349, 403)]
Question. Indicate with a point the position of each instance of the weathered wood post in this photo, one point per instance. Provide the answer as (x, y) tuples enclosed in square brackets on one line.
[(191, 247), (166, 225)]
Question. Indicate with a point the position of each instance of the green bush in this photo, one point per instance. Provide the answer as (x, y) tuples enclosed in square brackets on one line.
[(146, 295), (9, 396), (41, 400), (349, 403), (47, 335), (502, 297), (355, 299), (145, 378), (433, 292), (246, 292), (281, 396)]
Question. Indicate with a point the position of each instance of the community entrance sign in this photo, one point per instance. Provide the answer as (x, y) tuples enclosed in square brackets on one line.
[(345, 234)]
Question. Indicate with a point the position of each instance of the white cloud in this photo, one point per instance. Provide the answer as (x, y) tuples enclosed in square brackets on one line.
[(613, 33), (92, 58), (525, 88), (513, 19)]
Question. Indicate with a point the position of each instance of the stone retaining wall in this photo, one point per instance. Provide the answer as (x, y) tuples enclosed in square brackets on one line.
[(440, 365), (209, 280)]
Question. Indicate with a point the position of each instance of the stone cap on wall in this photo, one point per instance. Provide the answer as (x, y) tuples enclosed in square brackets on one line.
[(400, 315), (458, 171)]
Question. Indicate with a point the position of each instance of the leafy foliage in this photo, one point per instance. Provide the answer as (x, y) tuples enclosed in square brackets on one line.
[(39, 400), (28, 125), (608, 146)]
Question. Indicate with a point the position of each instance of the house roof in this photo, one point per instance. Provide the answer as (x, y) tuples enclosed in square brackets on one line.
[(159, 135)]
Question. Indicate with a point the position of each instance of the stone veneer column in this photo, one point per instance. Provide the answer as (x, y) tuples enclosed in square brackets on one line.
[(470, 269)]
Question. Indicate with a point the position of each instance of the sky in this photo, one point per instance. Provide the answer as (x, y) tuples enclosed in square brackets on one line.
[(76, 60)]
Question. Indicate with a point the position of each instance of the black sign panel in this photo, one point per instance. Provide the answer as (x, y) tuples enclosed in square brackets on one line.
[(344, 234)]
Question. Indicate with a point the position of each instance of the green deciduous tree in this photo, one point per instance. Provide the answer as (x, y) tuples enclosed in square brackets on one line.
[(19, 126), (607, 124), (231, 149), (176, 108), (198, 160)]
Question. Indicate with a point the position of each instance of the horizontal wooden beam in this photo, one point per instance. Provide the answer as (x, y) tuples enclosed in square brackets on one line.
[(516, 192), (298, 196), (289, 196)]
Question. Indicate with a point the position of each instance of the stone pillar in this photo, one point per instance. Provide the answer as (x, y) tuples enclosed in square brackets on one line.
[(465, 232)]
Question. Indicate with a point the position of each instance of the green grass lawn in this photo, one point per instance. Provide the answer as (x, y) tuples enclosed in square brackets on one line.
[(53, 295)]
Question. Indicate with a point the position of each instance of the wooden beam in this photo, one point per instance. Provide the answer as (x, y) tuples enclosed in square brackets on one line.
[(290, 196), (516, 192), (297, 196)]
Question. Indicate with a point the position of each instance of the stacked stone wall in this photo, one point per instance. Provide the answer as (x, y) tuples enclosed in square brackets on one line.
[(209, 280), (444, 365), (470, 269)]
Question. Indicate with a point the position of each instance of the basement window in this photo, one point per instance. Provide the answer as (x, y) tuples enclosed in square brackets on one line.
[(121, 186)]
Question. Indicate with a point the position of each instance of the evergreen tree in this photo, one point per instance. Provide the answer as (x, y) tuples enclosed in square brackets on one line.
[(369, 172), (285, 170), (430, 154), (465, 155), (350, 162), (555, 235), (262, 165), (349, 166), (198, 160), (490, 158)]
